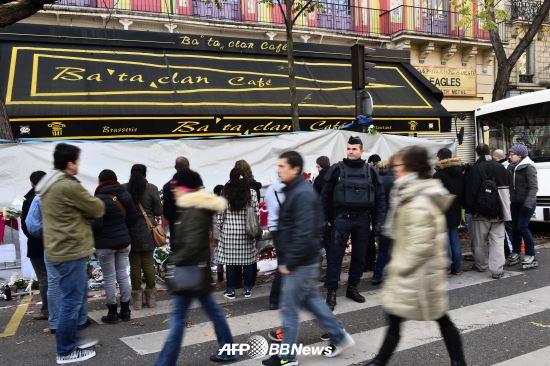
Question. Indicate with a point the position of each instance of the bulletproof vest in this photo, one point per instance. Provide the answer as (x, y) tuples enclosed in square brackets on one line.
[(354, 188)]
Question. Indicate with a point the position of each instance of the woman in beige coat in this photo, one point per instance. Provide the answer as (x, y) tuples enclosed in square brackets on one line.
[(416, 284)]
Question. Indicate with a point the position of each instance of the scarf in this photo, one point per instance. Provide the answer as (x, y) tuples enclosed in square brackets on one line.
[(105, 183), (395, 201)]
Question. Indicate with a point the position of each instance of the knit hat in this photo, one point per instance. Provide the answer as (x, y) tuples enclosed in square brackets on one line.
[(355, 140), (188, 178), (520, 150), (107, 174)]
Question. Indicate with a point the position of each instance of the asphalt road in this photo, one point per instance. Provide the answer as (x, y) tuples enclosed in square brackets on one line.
[(500, 320)]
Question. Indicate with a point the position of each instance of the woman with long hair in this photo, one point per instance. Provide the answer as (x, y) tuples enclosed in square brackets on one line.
[(235, 247), (415, 287), (246, 172), (146, 198)]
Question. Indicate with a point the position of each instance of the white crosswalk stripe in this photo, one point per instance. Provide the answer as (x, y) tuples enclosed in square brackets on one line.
[(538, 357), (148, 343), (414, 334)]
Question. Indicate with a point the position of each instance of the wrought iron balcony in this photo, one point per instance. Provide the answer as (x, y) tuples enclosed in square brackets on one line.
[(341, 17), (422, 21), (525, 10)]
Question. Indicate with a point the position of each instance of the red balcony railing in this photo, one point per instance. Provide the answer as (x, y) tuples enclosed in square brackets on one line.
[(337, 17)]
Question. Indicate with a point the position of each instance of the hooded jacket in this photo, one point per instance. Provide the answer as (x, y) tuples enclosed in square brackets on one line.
[(451, 173), (415, 285), (66, 212), (524, 185), (191, 241), (111, 230)]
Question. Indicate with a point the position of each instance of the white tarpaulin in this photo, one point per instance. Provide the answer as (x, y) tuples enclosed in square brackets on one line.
[(212, 158)]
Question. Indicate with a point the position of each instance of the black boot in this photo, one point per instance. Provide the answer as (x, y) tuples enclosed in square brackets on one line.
[(125, 311), (458, 363), (331, 299), (354, 294), (112, 316)]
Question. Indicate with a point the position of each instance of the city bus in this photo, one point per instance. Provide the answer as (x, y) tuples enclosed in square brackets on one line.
[(521, 119)]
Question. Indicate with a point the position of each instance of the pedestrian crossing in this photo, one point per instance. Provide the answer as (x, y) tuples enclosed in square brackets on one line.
[(250, 323), (503, 323)]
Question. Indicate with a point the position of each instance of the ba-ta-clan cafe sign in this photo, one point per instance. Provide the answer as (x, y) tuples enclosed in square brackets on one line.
[(452, 81)]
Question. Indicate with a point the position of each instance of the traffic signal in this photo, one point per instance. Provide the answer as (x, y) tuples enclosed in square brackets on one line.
[(359, 67), (359, 80)]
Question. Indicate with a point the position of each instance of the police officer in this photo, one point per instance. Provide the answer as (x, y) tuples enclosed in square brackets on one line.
[(351, 195)]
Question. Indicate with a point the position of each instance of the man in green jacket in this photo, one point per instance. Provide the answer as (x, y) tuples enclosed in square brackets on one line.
[(68, 242)]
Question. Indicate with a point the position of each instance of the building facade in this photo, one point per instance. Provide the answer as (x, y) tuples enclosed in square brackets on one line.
[(457, 59)]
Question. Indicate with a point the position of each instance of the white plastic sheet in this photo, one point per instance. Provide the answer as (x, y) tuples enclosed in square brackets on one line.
[(212, 158)]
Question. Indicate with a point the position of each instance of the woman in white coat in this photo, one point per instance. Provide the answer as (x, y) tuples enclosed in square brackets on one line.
[(415, 286)]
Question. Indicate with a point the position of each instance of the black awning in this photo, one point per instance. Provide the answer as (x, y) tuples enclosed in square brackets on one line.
[(96, 91)]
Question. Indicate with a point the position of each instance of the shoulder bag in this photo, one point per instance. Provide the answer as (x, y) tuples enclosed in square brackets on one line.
[(186, 278), (157, 231), (253, 228)]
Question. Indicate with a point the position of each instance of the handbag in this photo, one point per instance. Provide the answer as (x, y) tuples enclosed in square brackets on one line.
[(253, 228), (157, 231), (185, 278)]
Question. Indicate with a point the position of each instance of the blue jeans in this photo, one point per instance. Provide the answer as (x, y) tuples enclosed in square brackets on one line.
[(520, 228), (300, 290), (73, 288), (53, 297), (180, 303), (454, 248), (384, 245), (342, 228)]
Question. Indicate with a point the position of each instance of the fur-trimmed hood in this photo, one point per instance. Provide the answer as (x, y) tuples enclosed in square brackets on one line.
[(448, 163), (202, 199), (431, 188)]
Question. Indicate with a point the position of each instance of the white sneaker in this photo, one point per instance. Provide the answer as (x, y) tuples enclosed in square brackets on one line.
[(76, 356), (84, 343), (336, 349)]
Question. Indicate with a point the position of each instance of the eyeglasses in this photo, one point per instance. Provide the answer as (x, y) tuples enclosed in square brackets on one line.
[(396, 165), (511, 153)]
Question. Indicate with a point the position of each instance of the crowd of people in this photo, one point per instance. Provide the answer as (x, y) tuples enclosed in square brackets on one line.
[(400, 219)]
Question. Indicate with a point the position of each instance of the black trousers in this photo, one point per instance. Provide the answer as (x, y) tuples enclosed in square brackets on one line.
[(450, 334)]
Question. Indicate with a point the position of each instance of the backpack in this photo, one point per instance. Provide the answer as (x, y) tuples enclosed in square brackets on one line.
[(487, 199), (354, 188), (34, 218)]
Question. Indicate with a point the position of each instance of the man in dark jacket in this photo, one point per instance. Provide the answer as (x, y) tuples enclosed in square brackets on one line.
[(351, 195), (169, 205), (300, 224), (35, 249), (487, 231), (451, 173)]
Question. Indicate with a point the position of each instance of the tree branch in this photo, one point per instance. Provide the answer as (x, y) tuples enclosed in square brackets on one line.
[(498, 47), (304, 8), (542, 13), (14, 11), (282, 10)]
